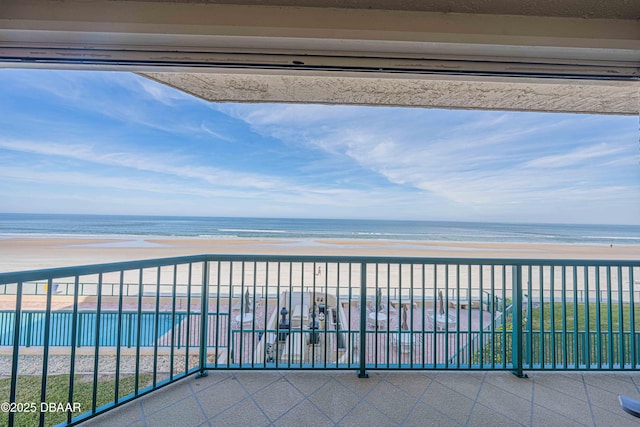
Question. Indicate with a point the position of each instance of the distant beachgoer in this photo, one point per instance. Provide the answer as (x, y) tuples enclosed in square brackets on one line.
[(319, 271)]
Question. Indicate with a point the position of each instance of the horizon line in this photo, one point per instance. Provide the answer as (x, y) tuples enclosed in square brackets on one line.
[(320, 219)]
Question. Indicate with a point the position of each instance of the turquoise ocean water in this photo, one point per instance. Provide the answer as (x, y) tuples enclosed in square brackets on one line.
[(39, 225)]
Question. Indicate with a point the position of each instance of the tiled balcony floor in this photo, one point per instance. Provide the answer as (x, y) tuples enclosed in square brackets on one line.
[(329, 398)]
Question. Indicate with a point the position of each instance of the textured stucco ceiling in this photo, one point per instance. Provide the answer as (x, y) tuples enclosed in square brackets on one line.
[(487, 94), (607, 9)]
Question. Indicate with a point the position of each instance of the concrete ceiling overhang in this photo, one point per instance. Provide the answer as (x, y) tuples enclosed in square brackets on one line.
[(550, 95), (561, 55)]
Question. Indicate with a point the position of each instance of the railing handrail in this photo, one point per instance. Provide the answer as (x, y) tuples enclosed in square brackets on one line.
[(424, 260), (47, 273), (43, 274), (112, 311)]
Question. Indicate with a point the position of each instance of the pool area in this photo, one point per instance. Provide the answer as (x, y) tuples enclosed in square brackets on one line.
[(114, 330)]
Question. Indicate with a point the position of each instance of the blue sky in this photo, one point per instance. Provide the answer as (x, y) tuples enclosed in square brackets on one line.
[(117, 143)]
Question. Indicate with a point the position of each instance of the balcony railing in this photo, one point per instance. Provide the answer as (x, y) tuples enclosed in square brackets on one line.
[(91, 338)]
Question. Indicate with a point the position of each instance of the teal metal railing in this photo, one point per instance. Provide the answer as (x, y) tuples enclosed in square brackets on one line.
[(102, 335)]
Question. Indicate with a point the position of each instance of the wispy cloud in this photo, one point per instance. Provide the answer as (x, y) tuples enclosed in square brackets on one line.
[(163, 94), (123, 98), (577, 156), (172, 164), (215, 134)]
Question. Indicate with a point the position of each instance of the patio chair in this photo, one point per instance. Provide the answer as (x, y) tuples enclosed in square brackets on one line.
[(430, 317), (406, 341), (630, 406), (371, 321), (450, 322)]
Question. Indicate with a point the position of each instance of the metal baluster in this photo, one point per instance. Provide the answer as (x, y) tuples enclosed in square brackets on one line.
[(632, 321), (350, 334), (598, 320), (587, 333), (610, 339), (424, 325), (118, 339), (553, 320), (388, 311), (96, 356), (529, 331), (204, 319), (156, 326), (470, 327), (139, 332), (242, 313), (15, 357), (491, 305), (376, 305), (188, 344), (481, 324), (253, 320), (174, 330), (278, 307), (302, 314), (621, 356), (291, 331), (576, 360), (411, 336), (326, 311), (218, 317), (338, 305), (362, 373), (45, 357), (517, 322), (230, 354), (542, 335)]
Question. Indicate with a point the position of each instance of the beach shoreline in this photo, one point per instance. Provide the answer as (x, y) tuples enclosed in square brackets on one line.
[(30, 253)]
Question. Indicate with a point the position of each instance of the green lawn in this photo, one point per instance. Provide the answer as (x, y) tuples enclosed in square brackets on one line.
[(573, 315), (58, 391), (572, 309)]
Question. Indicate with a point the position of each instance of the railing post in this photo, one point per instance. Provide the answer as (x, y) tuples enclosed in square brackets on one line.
[(516, 353), (29, 328), (16, 350), (45, 356), (362, 373), (204, 319)]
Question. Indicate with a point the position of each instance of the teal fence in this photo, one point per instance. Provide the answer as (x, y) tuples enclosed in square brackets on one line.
[(107, 334)]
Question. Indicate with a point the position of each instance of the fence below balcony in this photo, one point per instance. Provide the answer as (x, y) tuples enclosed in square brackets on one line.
[(102, 335)]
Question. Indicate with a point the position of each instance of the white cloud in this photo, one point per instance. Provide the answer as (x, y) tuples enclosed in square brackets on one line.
[(171, 164), (215, 134), (160, 92), (576, 156)]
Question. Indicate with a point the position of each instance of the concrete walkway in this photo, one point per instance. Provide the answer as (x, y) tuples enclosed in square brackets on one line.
[(329, 398)]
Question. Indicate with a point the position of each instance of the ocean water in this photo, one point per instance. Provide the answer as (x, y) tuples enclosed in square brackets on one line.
[(40, 225)]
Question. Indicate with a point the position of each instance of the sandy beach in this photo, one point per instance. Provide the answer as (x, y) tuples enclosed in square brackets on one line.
[(19, 254)]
